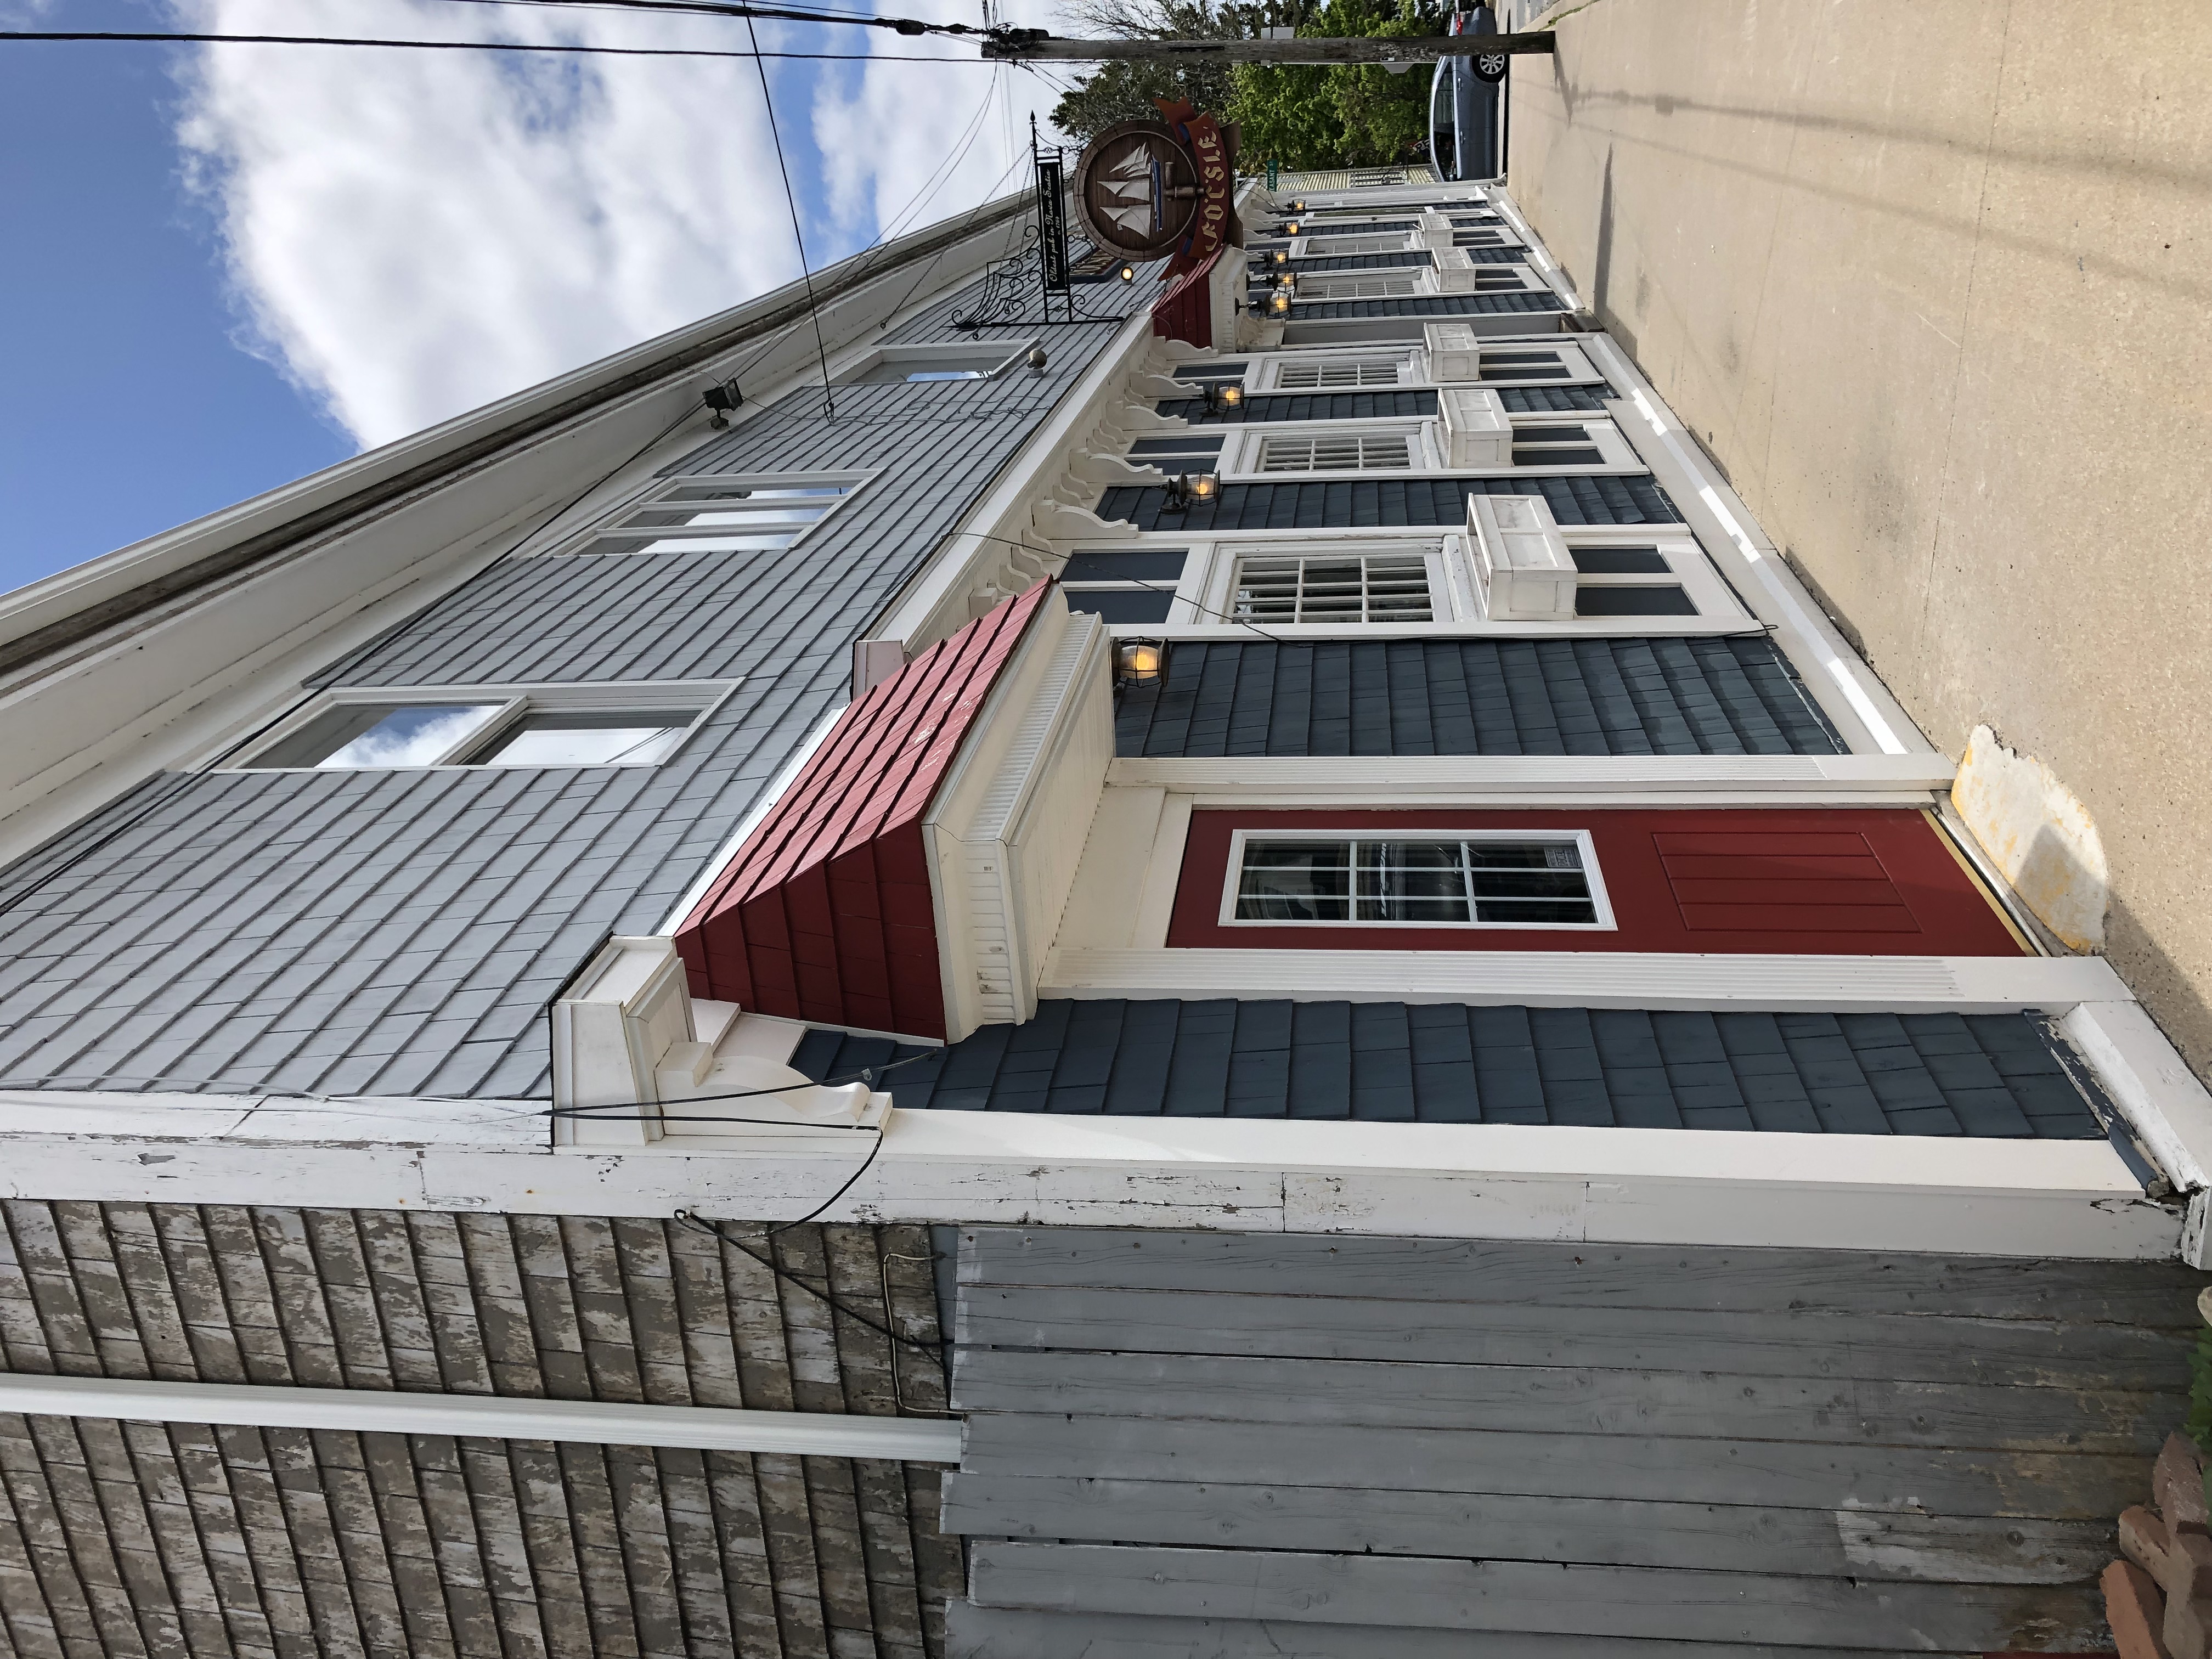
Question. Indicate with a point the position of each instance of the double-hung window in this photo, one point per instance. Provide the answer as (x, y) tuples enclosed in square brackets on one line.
[(1358, 287), (1128, 584), (724, 512), (384, 729), (1339, 451), (1474, 879), (1194, 451), (1339, 586), (1320, 245), (1336, 373)]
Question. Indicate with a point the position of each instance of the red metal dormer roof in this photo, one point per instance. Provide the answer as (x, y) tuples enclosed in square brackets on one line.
[(825, 914), (1185, 311)]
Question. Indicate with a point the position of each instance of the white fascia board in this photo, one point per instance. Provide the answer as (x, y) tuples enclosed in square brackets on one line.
[(1842, 779), (2026, 1198), (1540, 256), (1593, 979), (366, 1411), (1846, 687)]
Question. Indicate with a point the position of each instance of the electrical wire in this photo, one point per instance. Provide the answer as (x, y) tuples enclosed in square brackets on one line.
[(473, 45), (783, 167), (713, 1230), (867, 1074), (1272, 639)]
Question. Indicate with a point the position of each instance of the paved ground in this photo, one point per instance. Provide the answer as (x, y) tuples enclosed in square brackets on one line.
[(1934, 284)]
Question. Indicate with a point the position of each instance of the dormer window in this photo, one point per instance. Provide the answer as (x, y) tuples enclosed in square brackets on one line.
[(724, 512), (375, 729)]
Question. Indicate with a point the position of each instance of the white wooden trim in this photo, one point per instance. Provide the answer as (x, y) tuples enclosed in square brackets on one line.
[(752, 820), (2150, 1084), (367, 1411), (1593, 979), (1842, 780), (1989, 1197), (1591, 870)]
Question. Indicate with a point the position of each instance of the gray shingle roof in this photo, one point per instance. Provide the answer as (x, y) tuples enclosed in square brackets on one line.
[(1367, 503), (398, 932), (1394, 1062), (1587, 696), (125, 1539)]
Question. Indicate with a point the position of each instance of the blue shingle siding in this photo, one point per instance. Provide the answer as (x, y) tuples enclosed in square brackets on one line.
[(394, 931), (1387, 503), (1381, 402), (1992, 1075), (1430, 305), (1554, 399), (1412, 697)]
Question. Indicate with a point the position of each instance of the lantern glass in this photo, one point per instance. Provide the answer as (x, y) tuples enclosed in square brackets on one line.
[(1128, 273), (1137, 662), (1231, 396), (1204, 486), (1281, 303)]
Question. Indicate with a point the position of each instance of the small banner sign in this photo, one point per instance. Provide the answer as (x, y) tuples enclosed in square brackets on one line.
[(1274, 173), (1052, 223)]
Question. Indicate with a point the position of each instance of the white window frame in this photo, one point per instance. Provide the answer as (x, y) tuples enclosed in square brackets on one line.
[(1266, 373), (1005, 355), (658, 497), (1575, 366), (1398, 450), (1420, 280), (1690, 568), (1524, 278), (1620, 455), (514, 701), (1582, 839), (1314, 244), (1210, 580), (1240, 454)]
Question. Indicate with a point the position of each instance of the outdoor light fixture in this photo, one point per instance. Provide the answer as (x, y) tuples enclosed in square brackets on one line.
[(1286, 279), (1223, 396), (1291, 228), (1139, 662), (1128, 273), (1188, 487), (721, 399), (1298, 207), (1281, 304), (1036, 359), (1282, 256)]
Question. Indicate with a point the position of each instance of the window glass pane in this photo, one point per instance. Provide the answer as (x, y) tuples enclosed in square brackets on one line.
[(583, 740), (1150, 564), (1633, 601), (1560, 455), (1185, 443), (379, 735), (946, 374), (1295, 881), (762, 541), (735, 491), (1619, 561), (1123, 605), (1220, 371), (1436, 882)]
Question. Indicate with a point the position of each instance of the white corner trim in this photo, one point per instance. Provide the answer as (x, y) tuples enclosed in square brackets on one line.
[(702, 1428), (752, 820), (1593, 979), (2150, 1084), (1680, 464)]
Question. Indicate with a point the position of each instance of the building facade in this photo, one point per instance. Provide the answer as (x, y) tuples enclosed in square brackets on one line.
[(1215, 967)]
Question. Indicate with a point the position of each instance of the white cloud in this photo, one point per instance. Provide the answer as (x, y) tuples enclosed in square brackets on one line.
[(410, 234)]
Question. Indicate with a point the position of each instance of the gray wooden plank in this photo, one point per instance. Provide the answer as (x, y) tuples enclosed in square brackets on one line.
[(1603, 1532), (1776, 1474), (2153, 1293), (1563, 1399), (1909, 1347), (1442, 1594), (974, 1632)]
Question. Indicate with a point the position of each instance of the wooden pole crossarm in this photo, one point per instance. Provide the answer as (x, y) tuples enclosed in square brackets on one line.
[(1363, 49)]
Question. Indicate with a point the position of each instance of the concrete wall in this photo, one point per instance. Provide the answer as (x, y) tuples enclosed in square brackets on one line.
[(1932, 285)]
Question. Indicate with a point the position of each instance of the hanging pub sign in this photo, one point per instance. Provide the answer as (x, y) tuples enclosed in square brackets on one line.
[(1148, 188), (1052, 223)]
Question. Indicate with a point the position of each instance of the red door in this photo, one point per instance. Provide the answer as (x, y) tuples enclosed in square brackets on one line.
[(1824, 882)]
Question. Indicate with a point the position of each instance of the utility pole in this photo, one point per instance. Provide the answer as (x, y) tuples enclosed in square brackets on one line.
[(1030, 45)]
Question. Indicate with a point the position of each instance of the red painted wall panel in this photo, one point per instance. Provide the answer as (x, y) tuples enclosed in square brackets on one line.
[(1823, 882), (825, 913)]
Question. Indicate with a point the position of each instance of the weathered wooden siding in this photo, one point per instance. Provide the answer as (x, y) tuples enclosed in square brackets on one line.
[(130, 1539), (1209, 1446)]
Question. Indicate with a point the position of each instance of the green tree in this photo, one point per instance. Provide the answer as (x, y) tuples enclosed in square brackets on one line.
[(1310, 115), (1126, 91)]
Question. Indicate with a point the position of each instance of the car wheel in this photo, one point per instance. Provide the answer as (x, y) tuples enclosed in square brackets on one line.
[(1490, 66)]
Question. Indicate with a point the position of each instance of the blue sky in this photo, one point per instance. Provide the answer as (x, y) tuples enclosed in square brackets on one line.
[(225, 269)]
